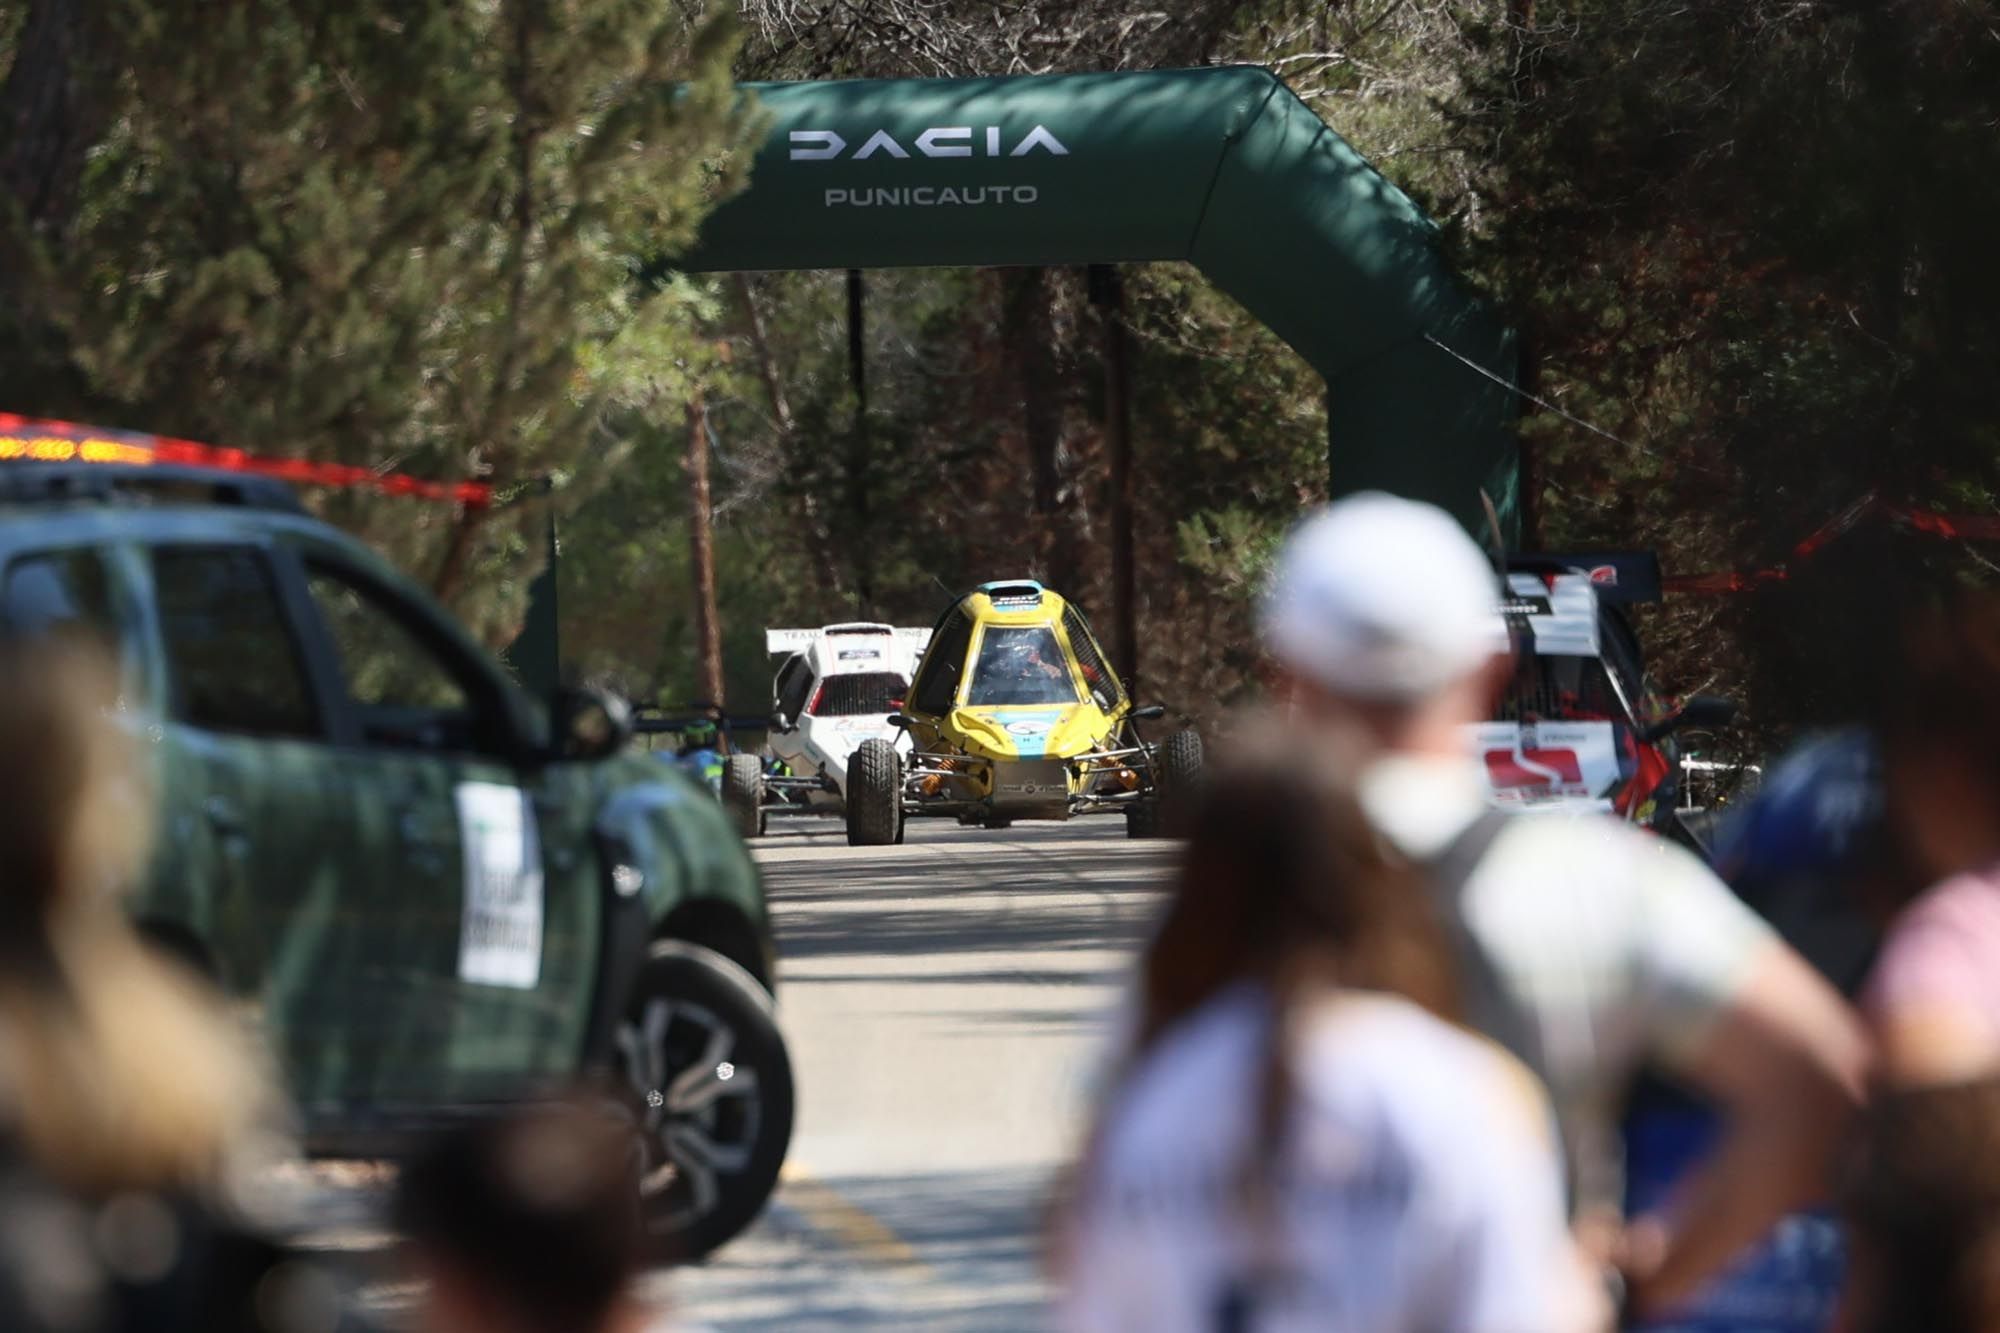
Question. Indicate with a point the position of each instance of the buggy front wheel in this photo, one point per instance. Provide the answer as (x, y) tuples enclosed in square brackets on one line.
[(875, 796), (743, 793)]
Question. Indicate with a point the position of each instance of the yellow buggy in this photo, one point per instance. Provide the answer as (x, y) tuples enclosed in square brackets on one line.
[(1014, 713)]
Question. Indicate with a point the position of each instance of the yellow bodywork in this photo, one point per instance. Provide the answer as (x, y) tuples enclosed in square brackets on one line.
[(1028, 749)]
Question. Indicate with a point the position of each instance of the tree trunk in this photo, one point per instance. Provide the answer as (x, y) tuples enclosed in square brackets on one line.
[(1530, 470), (1108, 291), (860, 458), (450, 579), (52, 107), (819, 541), (701, 544), (1030, 322)]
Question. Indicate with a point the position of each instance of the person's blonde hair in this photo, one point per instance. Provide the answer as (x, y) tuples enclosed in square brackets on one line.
[(119, 1069)]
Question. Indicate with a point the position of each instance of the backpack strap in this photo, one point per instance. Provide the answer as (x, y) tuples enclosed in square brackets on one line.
[(1491, 1005)]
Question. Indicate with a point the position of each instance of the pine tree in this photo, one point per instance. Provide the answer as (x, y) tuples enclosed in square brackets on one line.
[(389, 234)]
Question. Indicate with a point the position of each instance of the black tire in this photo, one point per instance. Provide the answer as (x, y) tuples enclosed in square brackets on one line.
[(875, 796), (1142, 820), (692, 1010), (1177, 764), (743, 793)]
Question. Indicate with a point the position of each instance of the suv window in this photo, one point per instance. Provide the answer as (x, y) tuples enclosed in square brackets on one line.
[(232, 663), (403, 690), (62, 590)]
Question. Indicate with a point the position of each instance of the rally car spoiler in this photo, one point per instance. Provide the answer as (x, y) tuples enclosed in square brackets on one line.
[(784, 642), (1623, 578)]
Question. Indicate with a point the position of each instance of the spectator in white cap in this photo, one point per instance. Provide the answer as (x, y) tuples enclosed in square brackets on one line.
[(1589, 948)]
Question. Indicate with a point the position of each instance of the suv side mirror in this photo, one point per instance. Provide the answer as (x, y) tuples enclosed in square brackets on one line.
[(779, 721), (590, 722), (1703, 710), (1150, 713), (899, 720)]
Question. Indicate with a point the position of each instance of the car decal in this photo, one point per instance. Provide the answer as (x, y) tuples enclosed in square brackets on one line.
[(500, 933), (1029, 730)]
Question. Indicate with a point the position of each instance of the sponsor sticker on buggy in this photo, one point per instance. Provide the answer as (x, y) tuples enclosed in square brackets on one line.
[(500, 936), (860, 655), (1027, 727), (1566, 762)]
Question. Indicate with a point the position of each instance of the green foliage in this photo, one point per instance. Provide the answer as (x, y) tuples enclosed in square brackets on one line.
[(395, 235), (1751, 240)]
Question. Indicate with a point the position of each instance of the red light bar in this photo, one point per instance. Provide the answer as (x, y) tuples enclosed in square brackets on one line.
[(30, 440)]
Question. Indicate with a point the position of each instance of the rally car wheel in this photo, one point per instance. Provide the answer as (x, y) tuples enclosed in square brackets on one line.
[(700, 1054), (743, 793), (1177, 779), (875, 795)]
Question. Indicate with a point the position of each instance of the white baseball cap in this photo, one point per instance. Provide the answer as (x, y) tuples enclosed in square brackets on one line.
[(1383, 599)]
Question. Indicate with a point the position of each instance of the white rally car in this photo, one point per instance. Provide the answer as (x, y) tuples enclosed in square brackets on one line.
[(834, 688), (1581, 727)]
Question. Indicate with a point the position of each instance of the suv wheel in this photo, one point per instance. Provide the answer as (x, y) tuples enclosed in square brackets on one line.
[(701, 1054), (743, 793), (875, 795)]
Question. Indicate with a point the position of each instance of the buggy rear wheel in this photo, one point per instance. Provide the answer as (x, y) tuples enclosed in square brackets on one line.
[(743, 793), (875, 795), (1177, 765), (1142, 819)]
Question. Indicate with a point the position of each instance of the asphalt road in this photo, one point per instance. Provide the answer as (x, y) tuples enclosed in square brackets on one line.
[(946, 1004)]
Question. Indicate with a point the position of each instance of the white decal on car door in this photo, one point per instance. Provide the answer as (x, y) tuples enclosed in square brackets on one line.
[(500, 938)]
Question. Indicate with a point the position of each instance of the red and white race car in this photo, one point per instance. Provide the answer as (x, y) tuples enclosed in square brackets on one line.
[(1580, 725)]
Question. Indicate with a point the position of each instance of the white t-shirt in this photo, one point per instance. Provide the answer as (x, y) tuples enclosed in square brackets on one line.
[(1618, 944), (1418, 1186)]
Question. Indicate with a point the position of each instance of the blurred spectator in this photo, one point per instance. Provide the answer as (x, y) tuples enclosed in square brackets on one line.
[(1923, 1208), (1297, 1138), (1589, 947), (132, 1107), (526, 1223), (1809, 852), (1934, 997)]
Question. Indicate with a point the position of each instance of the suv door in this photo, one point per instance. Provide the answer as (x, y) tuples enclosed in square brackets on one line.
[(91, 589), (246, 726), (481, 932)]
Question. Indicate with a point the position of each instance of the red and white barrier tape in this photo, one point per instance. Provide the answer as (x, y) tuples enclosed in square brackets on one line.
[(29, 439), (1950, 527)]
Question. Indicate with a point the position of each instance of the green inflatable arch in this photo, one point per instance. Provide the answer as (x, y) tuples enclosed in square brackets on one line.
[(1223, 168)]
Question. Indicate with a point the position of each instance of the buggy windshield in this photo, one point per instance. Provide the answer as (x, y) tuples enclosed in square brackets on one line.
[(862, 693), (1020, 664), (1555, 687)]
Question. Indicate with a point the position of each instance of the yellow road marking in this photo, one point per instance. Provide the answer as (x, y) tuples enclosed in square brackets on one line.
[(826, 1211)]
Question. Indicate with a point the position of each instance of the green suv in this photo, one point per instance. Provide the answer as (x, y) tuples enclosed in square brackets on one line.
[(435, 899)]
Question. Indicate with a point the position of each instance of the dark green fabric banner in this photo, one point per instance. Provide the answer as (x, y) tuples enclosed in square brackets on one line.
[(1223, 168)]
